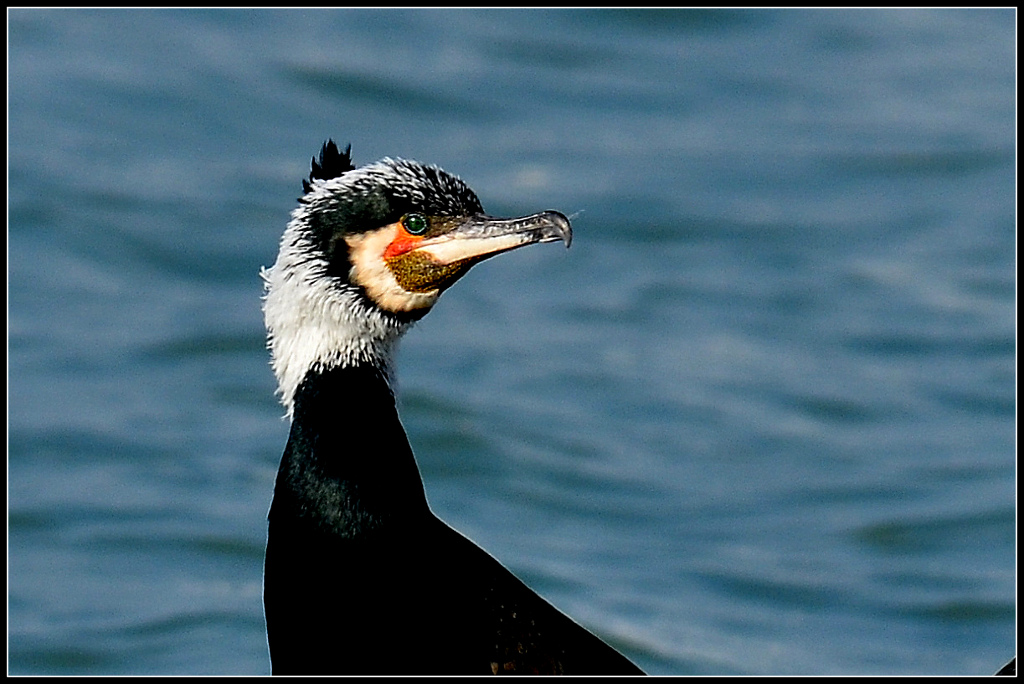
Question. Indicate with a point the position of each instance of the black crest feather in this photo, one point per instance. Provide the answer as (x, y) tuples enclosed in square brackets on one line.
[(332, 164)]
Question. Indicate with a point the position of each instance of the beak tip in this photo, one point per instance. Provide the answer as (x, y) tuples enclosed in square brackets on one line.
[(562, 226)]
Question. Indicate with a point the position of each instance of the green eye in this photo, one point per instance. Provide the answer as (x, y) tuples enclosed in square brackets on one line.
[(415, 224)]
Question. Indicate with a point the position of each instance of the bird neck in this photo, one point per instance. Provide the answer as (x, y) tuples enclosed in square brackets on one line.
[(314, 326), (348, 469)]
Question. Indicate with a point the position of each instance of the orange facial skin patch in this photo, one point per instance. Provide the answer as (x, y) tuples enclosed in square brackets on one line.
[(402, 243), (377, 258)]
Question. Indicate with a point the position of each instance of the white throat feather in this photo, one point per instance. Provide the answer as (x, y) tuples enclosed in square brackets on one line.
[(315, 321)]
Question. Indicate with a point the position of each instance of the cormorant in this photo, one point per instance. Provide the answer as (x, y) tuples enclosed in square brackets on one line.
[(360, 576)]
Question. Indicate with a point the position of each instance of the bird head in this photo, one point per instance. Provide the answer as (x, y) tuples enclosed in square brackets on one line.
[(368, 251)]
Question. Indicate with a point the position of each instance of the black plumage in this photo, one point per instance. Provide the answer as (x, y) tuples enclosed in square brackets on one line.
[(362, 578)]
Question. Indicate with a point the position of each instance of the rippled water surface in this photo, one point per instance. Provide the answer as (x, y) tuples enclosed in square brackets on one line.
[(760, 419)]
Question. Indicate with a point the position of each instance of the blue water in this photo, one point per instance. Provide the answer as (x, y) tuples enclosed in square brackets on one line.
[(760, 419)]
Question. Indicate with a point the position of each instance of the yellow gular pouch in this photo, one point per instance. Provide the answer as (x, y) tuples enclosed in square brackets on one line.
[(419, 272)]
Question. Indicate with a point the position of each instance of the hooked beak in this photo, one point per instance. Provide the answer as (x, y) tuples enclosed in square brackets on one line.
[(480, 237)]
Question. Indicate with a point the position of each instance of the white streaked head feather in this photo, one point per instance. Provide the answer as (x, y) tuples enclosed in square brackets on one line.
[(317, 321)]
